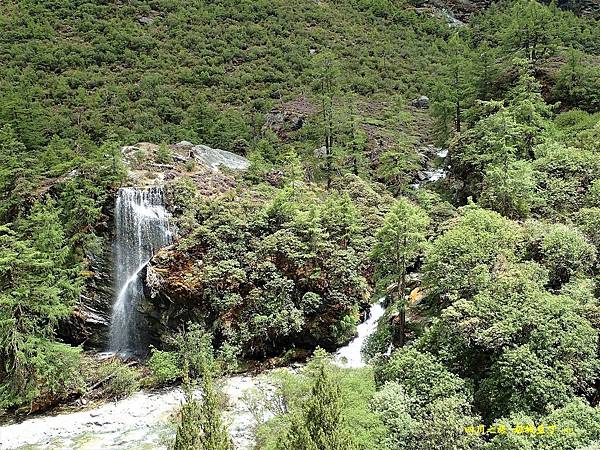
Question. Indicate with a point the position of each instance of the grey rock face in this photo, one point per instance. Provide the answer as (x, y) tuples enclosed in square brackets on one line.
[(282, 122), (320, 152), (88, 323), (214, 158), (421, 102)]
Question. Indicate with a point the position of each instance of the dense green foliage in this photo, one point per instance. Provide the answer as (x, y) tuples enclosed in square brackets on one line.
[(278, 265), (492, 268), (323, 407)]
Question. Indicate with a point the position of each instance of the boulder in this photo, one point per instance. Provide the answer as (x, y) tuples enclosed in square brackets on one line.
[(421, 102), (145, 20), (282, 122), (214, 158), (320, 152)]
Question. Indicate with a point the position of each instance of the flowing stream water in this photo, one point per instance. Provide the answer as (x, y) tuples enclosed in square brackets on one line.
[(351, 354), (141, 229), (144, 420)]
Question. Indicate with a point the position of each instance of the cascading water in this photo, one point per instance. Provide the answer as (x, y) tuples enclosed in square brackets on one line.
[(141, 229), (351, 354)]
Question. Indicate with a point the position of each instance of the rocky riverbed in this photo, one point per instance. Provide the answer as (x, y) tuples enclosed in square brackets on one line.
[(142, 421), (145, 420)]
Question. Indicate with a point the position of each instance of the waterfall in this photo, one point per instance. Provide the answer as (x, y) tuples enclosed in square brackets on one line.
[(141, 229), (351, 354)]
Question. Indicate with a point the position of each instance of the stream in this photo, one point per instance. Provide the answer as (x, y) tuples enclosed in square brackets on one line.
[(144, 419), (141, 421)]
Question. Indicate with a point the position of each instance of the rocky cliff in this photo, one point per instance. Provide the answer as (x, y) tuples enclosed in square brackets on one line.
[(148, 164)]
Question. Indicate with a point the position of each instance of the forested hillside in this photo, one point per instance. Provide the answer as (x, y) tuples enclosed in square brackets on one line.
[(386, 152)]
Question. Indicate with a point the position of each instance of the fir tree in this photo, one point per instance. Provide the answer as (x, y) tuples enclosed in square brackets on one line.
[(400, 242), (201, 426), (320, 425)]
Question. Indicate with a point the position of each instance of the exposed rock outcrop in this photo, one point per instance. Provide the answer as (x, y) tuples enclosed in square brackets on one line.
[(213, 158), (421, 102), (89, 322), (289, 116)]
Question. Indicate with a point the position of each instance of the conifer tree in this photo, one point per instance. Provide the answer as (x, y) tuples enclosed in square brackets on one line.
[(455, 90), (320, 425), (188, 430), (201, 426), (326, 83), (399, 243), (38, 287)]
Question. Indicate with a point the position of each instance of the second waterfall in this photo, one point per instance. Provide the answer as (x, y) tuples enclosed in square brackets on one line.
[(141, 229)]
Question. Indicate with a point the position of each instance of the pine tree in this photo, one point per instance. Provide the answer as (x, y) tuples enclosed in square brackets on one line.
[(319, 425), (323, 413), (297, 436), (400, 242), (532, 30), (201, 426), (528, 108), (339, 217)]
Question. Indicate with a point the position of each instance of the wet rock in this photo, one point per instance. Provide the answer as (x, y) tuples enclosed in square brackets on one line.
[(89, 321)]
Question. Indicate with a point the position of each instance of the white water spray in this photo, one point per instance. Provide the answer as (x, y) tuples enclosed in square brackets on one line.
[(141, 229), (351, 354)]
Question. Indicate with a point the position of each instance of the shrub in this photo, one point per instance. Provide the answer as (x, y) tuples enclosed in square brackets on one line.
[(121, 380), (164, 155), (164, 366)]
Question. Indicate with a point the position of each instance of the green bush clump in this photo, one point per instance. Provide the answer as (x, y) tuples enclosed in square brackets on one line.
[(164, 366), (121, 380)]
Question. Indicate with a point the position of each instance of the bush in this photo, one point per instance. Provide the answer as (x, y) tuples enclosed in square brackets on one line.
[(565, 252), (121, 380), (164, 366), (164, 155), (190, 165)]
